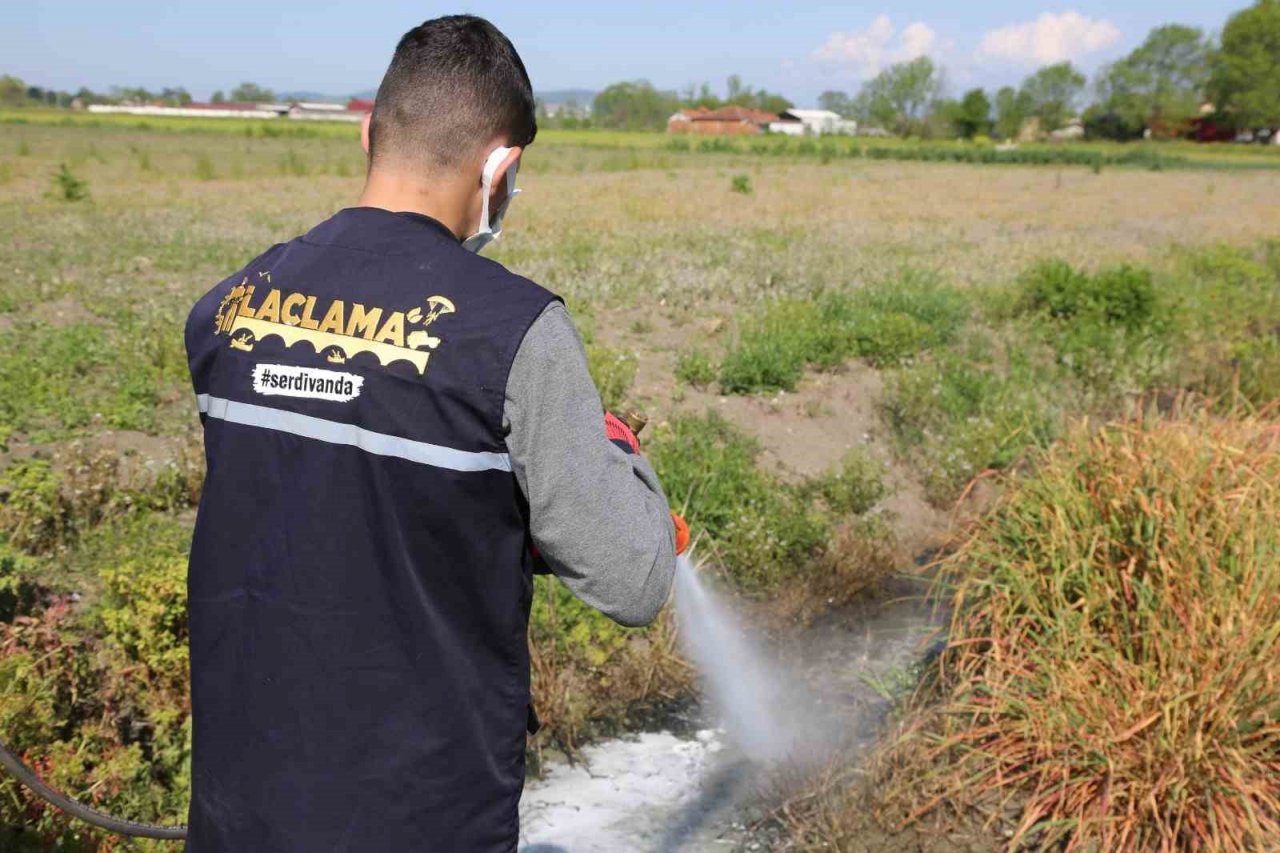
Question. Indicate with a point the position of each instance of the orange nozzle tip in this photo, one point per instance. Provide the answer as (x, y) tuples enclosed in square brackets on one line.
[(682, 533)]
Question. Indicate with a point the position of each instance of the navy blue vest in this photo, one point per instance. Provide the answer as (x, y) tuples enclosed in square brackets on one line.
[(360, 577)]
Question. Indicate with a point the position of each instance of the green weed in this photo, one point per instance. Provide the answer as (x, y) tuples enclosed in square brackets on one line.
[(68, 186), (886, 324), (204, 168), (964, 412), (759, 529), (293, 165), (740, 184), (1109, 329), (855, 486), (696, 367)]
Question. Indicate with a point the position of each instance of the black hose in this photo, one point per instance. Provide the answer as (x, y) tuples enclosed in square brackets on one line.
[(118, 826)]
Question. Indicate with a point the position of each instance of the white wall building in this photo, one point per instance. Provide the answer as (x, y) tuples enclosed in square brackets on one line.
[(812, 123), (260, 111)]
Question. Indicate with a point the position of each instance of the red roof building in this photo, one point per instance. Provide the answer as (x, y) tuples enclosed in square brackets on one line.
[(723, 121)]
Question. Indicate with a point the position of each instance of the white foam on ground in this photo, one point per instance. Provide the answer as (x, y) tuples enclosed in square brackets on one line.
[(619, 797)]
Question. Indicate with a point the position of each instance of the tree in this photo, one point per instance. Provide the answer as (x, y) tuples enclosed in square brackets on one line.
[(252, 93), (772, 103), (733, 86), (634, 105), (838, 102), (701, 96), (972, 115), (178, 97), (1246, 68), (218, 98), (1160, 83), (740, 95), (13, 92), (1011, 112), (898, 97), (1051, 94)]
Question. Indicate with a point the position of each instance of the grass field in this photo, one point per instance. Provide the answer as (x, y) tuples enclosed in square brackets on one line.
[(830, 349)]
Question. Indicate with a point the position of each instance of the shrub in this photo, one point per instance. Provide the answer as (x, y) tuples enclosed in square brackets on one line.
[(107, 715), (1228, 345), (740, 184), (770, 352), (19, 593), (760, 530), (855, 486), (1124, 295), (963, 412), (886, 324), (696, 368), (1112, 655), (1109, 328), (68, 186)]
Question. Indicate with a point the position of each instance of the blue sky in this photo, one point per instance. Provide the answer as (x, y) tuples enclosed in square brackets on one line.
[(797, 48)]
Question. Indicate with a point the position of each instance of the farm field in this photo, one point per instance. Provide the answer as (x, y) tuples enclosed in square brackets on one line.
[(847, 362)]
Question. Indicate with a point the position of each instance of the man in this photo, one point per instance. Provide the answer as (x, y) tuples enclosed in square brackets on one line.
[(393, 427)]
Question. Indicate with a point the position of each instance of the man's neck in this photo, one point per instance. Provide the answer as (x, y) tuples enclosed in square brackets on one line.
[(444, 201)]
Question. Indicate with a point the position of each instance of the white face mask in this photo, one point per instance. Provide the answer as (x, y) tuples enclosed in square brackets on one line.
[(490, 229)]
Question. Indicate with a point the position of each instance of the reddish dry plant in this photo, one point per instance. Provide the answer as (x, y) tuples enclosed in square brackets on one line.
[(1112, 679)]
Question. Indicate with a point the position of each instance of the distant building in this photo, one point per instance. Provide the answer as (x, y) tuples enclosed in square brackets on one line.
[(198, 110), (1070, 132), (812, 123), (325, 111), (353, 110), (566, 109), (726, 121)]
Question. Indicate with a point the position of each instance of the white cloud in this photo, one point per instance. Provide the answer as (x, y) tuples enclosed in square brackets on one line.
[(877, 46), (1048, 39)]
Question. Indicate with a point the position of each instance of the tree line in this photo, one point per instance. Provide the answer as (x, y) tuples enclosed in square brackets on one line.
[(1158, 87), (639, 105), (15, 92)]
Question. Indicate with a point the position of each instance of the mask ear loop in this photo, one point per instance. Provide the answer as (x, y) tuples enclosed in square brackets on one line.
[(495, 159)]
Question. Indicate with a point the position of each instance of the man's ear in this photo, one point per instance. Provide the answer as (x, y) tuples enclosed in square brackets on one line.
[(364, 131), (508, 162)]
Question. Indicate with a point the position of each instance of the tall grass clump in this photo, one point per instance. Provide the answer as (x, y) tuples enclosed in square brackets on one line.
[(1111, 671)]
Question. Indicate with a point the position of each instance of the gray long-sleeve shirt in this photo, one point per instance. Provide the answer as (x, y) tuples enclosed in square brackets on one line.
[(596, 513)]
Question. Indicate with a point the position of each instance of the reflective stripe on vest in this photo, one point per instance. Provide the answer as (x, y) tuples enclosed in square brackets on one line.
[(336, 432)]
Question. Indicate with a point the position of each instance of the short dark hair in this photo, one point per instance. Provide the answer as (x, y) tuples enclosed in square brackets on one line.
[(454, 84)]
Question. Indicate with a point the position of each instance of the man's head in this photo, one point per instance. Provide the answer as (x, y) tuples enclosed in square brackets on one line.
[(455, 89)]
